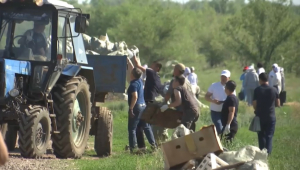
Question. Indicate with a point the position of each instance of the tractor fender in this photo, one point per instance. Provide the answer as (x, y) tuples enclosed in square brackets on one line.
[(87, 72)]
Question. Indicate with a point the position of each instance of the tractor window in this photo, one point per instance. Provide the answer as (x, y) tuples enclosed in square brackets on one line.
[(27, 36), (61, 34)]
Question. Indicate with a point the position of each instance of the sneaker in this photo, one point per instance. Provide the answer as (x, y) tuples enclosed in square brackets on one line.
[(154, 147)]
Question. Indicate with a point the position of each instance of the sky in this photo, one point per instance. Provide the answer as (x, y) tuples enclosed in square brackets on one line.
[(297, 2)]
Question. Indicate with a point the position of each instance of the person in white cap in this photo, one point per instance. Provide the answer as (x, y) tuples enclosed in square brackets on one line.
[(251, 82), (275, 77), (216, 96)]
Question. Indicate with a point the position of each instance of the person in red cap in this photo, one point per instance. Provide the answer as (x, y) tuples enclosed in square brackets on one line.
[(242, 78)]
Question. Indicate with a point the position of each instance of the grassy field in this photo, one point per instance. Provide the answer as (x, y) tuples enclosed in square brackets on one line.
[(286, 145)]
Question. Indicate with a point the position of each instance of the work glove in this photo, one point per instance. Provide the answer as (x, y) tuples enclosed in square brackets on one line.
[(130, 113), (227, 129), (164, 108)]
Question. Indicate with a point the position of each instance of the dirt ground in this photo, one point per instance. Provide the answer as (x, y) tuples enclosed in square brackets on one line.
[(48, 162)]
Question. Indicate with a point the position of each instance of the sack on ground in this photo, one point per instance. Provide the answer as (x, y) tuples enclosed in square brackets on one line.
[(255, 125)]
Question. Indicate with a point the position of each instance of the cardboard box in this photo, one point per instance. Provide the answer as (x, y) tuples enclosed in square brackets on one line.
[(166, 119), (193, 146)]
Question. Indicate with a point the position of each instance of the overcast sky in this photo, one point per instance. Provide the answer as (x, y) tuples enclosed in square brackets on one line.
[(295, 1)]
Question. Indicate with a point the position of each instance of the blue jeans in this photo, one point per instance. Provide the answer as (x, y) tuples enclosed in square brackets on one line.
[(216, 118), (134, 122), (266, 134)]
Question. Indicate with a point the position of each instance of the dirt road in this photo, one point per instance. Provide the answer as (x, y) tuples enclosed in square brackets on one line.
[(48, 162)]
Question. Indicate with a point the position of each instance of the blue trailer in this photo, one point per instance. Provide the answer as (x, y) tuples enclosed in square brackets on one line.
[(49, 91)]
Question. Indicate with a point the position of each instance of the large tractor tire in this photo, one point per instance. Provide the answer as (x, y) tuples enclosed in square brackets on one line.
[(11, 137), (104, 133), (72, 106), (34, 131)]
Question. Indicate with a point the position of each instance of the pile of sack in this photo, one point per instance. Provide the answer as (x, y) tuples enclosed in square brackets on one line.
[(103, 46)]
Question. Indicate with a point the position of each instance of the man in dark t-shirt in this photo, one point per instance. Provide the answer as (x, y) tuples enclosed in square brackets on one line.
[(230, 109), (152, 89), (184, 98), (265, 100)]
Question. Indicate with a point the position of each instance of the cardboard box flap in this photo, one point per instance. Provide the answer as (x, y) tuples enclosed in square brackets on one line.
[(190, 143), (193, 146)]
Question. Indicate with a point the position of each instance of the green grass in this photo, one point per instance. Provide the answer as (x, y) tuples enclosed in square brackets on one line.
[(286, 145)]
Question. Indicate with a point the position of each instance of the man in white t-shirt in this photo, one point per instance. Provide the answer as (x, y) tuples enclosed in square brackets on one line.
[(216, 96), (193, 79), (260, 69)]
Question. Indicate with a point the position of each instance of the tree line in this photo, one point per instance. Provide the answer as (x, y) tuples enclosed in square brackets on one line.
[(214, 32)]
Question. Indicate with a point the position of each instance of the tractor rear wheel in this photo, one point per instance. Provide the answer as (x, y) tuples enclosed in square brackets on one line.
[(104, 133), (34, 131), (72, 106), (11, 137)]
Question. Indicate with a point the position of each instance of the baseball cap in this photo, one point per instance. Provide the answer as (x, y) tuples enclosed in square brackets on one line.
[(180, 67), (246, 68), (225, 73), (192, 68)]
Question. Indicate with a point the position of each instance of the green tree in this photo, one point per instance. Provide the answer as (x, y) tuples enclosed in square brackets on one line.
[(260, 28)]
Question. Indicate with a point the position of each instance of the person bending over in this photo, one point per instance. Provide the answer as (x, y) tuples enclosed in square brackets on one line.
[(186, 99)]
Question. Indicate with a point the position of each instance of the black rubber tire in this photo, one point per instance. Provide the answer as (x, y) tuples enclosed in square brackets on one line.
[(28, 127), (104, 133), (64, 96), (11, 137)]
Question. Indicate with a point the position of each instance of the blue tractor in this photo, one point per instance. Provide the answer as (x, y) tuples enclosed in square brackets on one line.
[(49, 87)]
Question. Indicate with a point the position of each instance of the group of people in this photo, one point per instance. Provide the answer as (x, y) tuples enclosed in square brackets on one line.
[(140, 93), (250, 81), (262, 92)]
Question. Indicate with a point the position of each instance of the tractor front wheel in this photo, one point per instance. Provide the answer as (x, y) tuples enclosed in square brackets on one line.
[(34, 131), (72, 107)]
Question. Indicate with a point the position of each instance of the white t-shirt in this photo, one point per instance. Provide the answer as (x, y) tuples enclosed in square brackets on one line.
[(192, 77), (218, 93), (260, 70)]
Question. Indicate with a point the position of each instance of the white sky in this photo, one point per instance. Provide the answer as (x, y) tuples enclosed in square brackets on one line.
[(297, 2)]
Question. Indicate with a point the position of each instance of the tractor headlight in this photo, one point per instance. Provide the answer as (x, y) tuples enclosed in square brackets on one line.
[(3, 1), (14, 93)]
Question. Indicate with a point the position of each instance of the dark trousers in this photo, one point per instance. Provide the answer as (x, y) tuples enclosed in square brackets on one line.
[(133, 124), (230, 136), (191, 125), (140, 134), (266, 134)]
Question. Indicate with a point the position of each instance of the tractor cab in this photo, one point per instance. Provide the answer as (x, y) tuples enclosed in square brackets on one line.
[(34, 45)]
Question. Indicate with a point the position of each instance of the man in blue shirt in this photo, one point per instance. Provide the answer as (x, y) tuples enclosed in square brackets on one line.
[(265, 100), (137, 105)]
